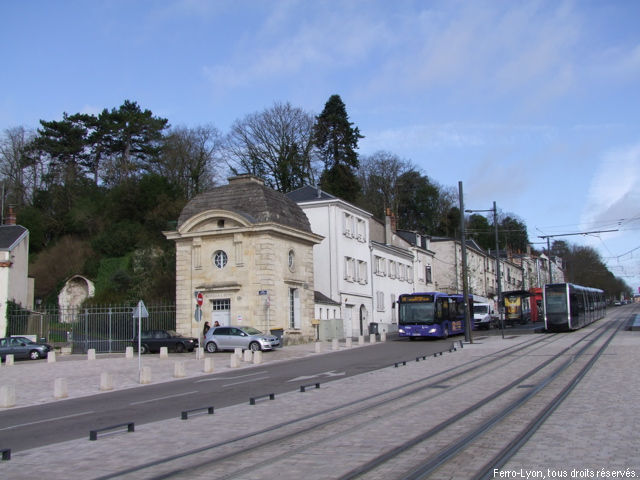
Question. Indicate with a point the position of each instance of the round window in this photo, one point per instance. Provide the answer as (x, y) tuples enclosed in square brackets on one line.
[(220, 259), (292, 260)]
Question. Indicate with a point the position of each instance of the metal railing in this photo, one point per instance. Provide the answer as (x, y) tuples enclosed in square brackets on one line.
[(105, 328)]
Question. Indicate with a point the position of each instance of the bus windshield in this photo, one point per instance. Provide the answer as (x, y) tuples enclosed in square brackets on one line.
[(556, 302), (416, 313)]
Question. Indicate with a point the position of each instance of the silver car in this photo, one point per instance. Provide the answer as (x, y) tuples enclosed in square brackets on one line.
[(230, 338)]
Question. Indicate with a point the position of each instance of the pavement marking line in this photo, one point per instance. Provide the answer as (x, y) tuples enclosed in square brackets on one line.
[(48, 420), (230, 378), (246, 381), (163, 398)]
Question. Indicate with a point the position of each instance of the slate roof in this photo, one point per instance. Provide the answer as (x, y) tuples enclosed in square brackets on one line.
[(9, 235), (246, 195), (308, 194), (322, 298)]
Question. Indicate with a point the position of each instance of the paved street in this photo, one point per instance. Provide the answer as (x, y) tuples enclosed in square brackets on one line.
[(593, 430)]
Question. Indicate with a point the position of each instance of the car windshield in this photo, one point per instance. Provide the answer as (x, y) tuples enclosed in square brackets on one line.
[(252, 331), (480, 309), (23, 340)]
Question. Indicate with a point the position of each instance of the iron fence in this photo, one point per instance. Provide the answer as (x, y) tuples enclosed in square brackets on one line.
[(105, 328)]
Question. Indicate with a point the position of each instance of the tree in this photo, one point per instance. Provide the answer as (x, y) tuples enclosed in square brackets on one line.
[(20, 167), (513, 234), (131, 139), (479, 229), (336, 142), (275, 145), (188, 159)]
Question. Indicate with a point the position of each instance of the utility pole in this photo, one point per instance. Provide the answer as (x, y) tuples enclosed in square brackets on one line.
[(465, 282)]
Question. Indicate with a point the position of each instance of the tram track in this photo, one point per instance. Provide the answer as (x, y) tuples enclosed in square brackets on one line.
[(280, 444)]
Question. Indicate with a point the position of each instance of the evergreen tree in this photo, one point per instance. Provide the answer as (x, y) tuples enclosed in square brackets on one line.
[(336, 142)]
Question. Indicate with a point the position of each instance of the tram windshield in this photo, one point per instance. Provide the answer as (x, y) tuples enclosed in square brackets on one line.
[(417, 313), (556, 302)]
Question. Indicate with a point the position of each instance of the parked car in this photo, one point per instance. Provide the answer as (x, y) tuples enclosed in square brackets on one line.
[(152, 340), (22, 347), (230, 338)]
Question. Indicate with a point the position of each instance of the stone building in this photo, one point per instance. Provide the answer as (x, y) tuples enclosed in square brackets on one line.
[(249, 250)]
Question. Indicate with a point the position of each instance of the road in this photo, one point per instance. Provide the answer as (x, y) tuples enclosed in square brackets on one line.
[(29, 427)]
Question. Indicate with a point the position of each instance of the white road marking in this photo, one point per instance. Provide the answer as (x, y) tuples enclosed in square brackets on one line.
[(246, 381), (331, 373), (163, 398), (230, 378), (47, 420)]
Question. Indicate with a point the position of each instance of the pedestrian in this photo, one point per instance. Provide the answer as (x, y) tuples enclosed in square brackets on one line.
[(216, 324), (206, 328)]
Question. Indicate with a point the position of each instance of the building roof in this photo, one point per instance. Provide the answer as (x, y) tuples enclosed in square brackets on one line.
[(10, 235), (246, 195), (321, 298), (309, 194)]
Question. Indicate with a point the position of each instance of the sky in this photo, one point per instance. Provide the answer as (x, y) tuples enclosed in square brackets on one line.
[(532, 104)]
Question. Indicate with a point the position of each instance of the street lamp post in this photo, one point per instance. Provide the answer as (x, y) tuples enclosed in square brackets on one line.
[(495, 228)]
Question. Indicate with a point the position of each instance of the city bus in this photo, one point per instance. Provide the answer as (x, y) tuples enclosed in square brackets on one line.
[(430, 314)]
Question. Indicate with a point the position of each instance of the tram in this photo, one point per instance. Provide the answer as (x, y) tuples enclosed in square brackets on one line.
[(430, 314), (570, 307)]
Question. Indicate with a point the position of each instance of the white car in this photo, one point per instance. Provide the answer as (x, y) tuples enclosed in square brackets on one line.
[(230, 338)]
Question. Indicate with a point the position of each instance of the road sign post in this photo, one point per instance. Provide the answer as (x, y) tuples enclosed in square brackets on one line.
[(140, 311)]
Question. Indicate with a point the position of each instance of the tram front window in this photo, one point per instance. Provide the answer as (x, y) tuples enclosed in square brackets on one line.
[(416, 313), (556, 302)]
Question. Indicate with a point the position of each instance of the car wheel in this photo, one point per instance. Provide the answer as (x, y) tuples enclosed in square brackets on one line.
[(254, 347), (34, 355), (179, 348), (144, 349), (212, 347)]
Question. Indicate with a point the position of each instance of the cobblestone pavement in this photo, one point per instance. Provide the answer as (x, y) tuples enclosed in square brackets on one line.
[(593, 432)]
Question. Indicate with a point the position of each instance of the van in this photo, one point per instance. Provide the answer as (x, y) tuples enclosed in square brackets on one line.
[(483, 316)]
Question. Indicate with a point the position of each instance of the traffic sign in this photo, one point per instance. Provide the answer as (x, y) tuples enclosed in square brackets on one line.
[(199, 298)]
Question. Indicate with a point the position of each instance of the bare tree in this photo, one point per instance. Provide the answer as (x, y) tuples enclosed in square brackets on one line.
[(189, 158), (275, 145)]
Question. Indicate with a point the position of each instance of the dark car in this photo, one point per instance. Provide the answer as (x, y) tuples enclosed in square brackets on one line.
[(152, 340), (22, 347)]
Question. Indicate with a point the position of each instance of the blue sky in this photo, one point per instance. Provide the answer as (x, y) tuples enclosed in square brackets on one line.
[(533, 104)]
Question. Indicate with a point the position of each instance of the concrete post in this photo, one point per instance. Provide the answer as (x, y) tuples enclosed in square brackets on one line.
[(248, 355), (178, 370), (348, 342), (60, 388), (51, 357), (128, 353), (334, 344), (208, 365), (106, 381), (318, 347), (7, 396), (145, 375), (199, 353), (8, 360), (257, 357), (91, 354), (234, 361), (238, 353), (372, 338), (383, 337), (164, 352), (361, 340)]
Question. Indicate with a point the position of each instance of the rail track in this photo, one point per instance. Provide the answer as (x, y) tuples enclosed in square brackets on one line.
[(458, 423)]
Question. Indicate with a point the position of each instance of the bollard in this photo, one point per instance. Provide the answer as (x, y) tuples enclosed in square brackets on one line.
[(91, 354), (234, 362), (383, 337), (178, 370), (361, 340), (349, 342), (257, 357), (8, 360), (238, 353), (318, 347), (128, 353), (145, 375), (372, 338), (208, 365), (51, 357), (7, 396), (334, 344), (60, 388), (164, 352), (106, 381), (248, 355), (199, 353)]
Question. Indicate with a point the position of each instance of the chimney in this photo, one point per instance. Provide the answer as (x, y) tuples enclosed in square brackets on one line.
[(389, 226), (11, 217)]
